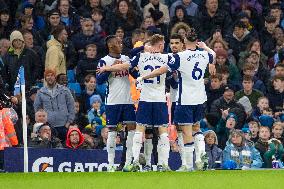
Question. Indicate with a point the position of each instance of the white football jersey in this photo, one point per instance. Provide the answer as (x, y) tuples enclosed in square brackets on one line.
[(152, 90), (118, 89), (191, 66)]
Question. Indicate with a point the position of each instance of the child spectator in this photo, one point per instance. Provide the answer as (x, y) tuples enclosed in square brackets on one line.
[(96, 115), (253, 128), (277, 131), (262, 144), (275, 152), (88, 65), (97, 16), (262, 104), (211, 147)]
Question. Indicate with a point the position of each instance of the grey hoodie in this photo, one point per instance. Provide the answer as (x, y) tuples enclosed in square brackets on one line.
[(59, 106)]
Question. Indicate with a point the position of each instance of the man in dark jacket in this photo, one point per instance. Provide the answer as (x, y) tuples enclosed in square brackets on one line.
[(18, 55), (227, 101), (276, 96), (45, 138), (212, 17)]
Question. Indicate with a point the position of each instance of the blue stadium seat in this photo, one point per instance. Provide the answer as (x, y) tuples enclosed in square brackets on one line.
[(71, 76), (75, 87)]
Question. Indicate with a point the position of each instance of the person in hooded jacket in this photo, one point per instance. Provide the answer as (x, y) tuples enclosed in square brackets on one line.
[(74, 139)]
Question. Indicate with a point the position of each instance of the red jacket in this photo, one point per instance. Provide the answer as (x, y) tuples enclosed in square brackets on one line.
[(81, 138)]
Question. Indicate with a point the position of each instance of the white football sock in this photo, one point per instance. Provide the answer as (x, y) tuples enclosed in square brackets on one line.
[(111, 147), (199, 146), (164, 146), (188, 153), (137, 144), (129, 143), (181, 146), (148, 148)]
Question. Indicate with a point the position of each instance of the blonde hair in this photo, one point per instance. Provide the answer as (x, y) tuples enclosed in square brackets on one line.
[(214, 41)]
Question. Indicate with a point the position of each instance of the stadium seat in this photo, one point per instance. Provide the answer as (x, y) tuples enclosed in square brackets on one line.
[(75, 87), (71, 76)]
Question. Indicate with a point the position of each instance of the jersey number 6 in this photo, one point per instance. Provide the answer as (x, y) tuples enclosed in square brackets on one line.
[(149, 67), (196, 72)]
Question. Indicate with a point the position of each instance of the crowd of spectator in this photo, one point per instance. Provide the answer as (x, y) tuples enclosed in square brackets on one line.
[(59, 43)]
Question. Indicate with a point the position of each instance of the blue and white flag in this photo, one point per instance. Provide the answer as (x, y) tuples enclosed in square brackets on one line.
[(20, 81)]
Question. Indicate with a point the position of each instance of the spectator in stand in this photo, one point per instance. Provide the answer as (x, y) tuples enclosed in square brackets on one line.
[(211, 147), (157, 5), (262, 145), (239, 39), (90, 141), (53, 21), (96, 115), (102, 139), (27, 23), (119, 32), (30, 98), (254, 129), (276, 96), (214, 90), (190, 7), (18, 55), (87, 36), (58, 102), (261, 72), (80, 118), (45, 138), (55, 58), (125, 17), (277, 132), (40, 118), (61, 79), (241, 152), (6, 26), (74, 139), (90, 90), (222, 60), (129, 42), (70, 19), (29, 43), (180, 15), (227, 101), (147, 22), (276, 12), (254, 45), (249, 70), (88, 65), (262, 104), (100, 25), (90, 5), (248, 91), (4, 46), (180, 28), (213, 17), (237, 6), (216, 42), (268, 42), (226, 124)]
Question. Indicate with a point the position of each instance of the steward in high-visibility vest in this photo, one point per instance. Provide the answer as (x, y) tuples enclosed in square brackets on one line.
[(8, 135)]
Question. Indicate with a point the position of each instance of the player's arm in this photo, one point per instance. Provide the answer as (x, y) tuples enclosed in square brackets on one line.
[(102, 77), (212, 57), (154, 73)]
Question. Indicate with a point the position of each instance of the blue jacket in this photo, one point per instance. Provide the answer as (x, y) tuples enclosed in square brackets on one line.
[(245, 156), (59, 106)]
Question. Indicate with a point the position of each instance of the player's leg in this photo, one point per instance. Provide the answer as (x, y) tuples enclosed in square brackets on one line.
[(112, 115), (181, 146), (148, 148), (201, 159), (160, 120), (129, 118), (184, 118), (143, 118)]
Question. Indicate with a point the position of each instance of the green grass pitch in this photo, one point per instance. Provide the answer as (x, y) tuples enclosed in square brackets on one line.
[(264, 179)]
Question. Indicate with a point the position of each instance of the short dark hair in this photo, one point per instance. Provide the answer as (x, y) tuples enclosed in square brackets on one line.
[(177, 36), (191, 35), (88, 77), (109, 38), (270, 19), (57, 31), (279, 65), (276, 77), (239, 24), (137, 32), (248, 66), (97, 11), (275, 6), (216, 76), (247, 78)]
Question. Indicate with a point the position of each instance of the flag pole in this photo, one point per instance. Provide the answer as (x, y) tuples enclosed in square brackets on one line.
[(24, 115)]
